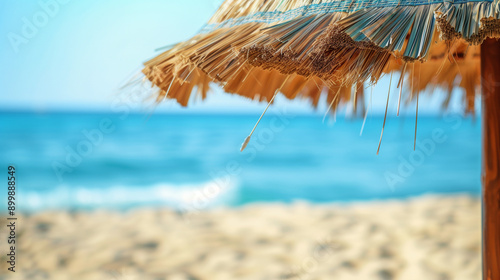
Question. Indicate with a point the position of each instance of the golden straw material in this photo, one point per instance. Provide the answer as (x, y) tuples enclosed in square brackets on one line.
[(306, 48)]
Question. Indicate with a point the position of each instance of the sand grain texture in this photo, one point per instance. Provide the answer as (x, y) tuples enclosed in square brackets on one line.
[(423, 238)]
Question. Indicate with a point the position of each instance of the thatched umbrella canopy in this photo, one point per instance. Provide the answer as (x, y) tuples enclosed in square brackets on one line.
[(293, 45), (305, 48)]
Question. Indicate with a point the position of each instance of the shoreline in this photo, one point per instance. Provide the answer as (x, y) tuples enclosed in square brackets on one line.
[(185, 206), (427, 237)]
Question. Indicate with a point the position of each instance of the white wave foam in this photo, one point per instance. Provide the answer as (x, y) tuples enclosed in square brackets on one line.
[(186, 197)]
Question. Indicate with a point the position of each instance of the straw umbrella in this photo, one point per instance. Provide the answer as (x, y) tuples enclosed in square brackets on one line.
[(305, 48)]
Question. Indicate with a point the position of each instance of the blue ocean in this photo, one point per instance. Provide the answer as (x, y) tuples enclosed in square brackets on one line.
[(76, 161)]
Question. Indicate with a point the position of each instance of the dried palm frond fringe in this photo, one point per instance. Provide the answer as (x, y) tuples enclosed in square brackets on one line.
[(308, 47)]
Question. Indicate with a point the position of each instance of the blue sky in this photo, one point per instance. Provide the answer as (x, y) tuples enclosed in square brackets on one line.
[(74, 55)]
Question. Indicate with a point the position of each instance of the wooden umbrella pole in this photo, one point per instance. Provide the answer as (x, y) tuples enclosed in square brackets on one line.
[(490, 83)]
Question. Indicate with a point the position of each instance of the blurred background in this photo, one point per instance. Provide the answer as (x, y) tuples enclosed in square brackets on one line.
[(80, 142), (63, 79)]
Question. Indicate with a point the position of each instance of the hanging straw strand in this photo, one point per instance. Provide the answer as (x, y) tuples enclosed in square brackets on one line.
[(247, 140), (367, 110), (385, 116), (400, 85)]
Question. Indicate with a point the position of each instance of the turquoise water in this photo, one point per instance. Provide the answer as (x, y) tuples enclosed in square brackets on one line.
[(86, 161)]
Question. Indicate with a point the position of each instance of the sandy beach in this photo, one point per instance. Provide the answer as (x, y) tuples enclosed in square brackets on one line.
[(428, 237)]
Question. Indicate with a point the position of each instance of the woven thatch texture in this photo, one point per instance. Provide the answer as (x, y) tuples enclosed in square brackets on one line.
[(306, 48)]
